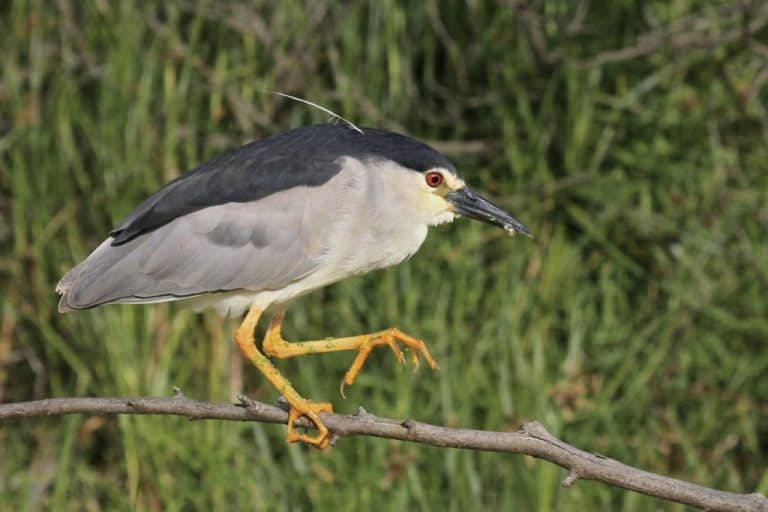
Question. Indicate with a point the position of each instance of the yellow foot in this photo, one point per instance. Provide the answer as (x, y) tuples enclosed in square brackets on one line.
[(390, 337), (309, 409), (276, 346)]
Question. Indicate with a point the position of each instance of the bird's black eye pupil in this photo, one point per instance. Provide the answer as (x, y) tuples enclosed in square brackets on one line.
[(434, 179)]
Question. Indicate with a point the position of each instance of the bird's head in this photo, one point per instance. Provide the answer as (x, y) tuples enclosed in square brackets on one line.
[(425, 181), (446, 195)]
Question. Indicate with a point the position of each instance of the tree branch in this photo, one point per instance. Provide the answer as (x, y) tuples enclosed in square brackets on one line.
[(532, 439)]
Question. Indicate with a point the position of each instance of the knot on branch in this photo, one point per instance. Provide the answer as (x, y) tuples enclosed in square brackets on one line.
[(571, 479), (362, 413), (536, 430)]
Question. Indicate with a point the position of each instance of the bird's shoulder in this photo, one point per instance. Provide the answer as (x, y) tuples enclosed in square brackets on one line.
[(247, 173), (307, 156)]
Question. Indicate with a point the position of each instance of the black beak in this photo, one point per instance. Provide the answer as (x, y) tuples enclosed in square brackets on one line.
[(473, 206)]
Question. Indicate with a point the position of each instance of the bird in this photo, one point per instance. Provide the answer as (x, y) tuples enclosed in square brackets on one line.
[(255, 228)]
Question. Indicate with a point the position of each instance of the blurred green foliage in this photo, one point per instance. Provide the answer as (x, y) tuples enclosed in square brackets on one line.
[(631, 137)]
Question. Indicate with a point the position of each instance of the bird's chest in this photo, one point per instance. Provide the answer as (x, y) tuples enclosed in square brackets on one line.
[(377, 239), (372, 225)]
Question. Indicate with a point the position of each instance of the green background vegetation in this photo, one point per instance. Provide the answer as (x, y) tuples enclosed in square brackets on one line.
[(634, 325)]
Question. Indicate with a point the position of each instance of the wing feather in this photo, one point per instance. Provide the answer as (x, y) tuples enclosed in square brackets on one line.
[(257, 246)]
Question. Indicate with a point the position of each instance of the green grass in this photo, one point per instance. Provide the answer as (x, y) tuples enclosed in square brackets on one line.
[(634, 325)]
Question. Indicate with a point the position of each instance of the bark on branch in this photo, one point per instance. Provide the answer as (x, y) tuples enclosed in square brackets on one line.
[(532, 439)]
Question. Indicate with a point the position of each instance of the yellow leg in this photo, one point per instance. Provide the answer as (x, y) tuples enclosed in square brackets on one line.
[(276, 346), (300, 406)]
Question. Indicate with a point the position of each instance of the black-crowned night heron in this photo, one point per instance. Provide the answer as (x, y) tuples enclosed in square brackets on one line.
[(259, 226)]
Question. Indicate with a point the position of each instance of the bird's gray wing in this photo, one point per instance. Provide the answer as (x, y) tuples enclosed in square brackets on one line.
[(257, 246)]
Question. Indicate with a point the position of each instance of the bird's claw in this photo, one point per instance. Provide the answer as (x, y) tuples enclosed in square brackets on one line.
[(390, 337), (310, 410)]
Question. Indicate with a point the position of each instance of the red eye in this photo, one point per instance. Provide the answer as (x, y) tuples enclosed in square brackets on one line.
[(434, 179)]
